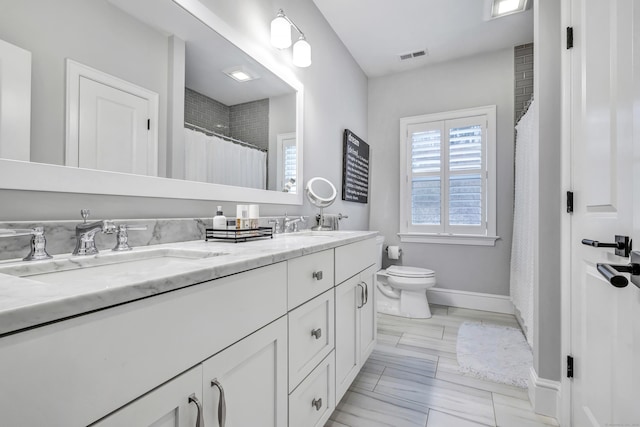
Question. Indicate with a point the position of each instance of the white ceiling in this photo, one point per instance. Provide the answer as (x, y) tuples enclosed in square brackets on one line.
[(376, 32)]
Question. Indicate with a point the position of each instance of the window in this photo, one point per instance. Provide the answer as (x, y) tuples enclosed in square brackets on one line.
[(287, 152), (447, 177)]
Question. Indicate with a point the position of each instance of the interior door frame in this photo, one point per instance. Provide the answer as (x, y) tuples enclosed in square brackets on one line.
[(564, 407), (75, 71)]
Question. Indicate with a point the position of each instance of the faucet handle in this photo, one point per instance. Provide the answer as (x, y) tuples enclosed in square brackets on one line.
[(38, 242), (276, 223), (85, 214), (122, 236)]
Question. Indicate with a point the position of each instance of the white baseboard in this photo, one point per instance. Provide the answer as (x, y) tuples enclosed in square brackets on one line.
[(473, 300), (544, 395)]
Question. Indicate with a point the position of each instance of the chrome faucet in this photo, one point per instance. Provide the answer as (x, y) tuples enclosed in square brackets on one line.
[(291, 225), (86, 233), (38, 242)]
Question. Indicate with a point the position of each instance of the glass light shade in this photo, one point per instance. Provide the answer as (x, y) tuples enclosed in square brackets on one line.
[(302, 53), (280, 33)]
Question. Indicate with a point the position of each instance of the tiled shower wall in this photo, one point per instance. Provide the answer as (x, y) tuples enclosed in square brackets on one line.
[(205, 112), (247, 122), (523, 55)]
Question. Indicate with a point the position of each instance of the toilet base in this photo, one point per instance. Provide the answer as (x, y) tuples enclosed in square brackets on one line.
[(414, 305)]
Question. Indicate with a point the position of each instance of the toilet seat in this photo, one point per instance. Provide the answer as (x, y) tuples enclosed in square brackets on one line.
[(410, 272)]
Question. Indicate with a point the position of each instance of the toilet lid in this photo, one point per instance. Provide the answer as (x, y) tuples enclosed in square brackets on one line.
[(400, 270)]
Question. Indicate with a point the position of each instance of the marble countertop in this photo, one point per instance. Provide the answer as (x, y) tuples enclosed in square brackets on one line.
[(26, 302)]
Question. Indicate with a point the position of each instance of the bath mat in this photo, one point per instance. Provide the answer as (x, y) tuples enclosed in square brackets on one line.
[(495, 353)]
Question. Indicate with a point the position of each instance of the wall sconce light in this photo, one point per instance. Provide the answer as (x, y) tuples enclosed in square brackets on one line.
[(281, 39)]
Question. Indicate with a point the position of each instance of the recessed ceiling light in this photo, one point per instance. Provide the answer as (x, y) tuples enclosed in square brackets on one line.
[(240, 74), (507, 7)]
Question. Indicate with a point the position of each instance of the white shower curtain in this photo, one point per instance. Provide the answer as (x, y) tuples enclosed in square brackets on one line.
[(212, 159), (524, 227)]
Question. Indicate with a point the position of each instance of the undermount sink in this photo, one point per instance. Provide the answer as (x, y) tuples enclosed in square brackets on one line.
[(104, 265)]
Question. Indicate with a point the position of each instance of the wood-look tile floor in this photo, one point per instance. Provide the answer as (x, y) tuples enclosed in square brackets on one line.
[(412, 379)]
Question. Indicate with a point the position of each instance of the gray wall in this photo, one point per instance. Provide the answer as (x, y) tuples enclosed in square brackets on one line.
[(547, 49), (115, 44), (469, 82), (335, 99)]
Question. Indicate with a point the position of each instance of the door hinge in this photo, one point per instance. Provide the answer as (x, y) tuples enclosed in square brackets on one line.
[(569, 366), (148, 124), (569, 201), (569, 37)]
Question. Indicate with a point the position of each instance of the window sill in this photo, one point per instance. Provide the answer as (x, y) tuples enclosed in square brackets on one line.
[(448, 239)]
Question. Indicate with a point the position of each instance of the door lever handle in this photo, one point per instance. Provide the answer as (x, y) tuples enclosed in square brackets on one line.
[(611, 271), (622, 245)]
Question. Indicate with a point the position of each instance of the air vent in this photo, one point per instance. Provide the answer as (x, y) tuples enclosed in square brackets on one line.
[(412, 55)]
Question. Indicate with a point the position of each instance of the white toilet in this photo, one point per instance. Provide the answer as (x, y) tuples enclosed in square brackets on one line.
[(402, 291)]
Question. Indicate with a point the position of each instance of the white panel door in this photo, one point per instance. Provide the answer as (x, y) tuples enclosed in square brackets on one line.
[(246, 384), (15, 102), (178, 403), (113, 134), (605, 137)]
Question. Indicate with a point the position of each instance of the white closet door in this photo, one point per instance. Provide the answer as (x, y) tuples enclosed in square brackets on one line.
[(113, 134), (15, 102)]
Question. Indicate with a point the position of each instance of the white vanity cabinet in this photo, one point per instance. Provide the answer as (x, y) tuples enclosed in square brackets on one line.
[(246, 384), (275, 346), (355, 311), (79, 370), (177, 403)]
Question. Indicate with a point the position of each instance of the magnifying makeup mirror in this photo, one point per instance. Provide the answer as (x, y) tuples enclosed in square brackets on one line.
[(321, 193)]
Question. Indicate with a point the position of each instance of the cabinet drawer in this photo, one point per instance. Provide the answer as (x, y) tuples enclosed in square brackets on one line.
[(309, 276), (311, 336), (312, 403), (351, 259)]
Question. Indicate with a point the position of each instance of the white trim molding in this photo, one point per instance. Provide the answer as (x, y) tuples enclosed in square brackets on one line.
[(449, 239), (472, 300), (544, 395)]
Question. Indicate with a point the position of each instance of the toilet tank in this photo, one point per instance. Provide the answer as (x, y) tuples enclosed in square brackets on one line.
[(380, 245)]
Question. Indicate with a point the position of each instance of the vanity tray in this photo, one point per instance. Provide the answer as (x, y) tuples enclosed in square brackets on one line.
[(235, 236)]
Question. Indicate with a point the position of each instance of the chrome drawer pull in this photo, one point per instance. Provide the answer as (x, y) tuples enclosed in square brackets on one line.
[(317, 403), (199, 420), (222, 403), (316, 333), (317, 275)]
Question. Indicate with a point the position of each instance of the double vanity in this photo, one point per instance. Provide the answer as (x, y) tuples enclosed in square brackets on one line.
[(264, 333)]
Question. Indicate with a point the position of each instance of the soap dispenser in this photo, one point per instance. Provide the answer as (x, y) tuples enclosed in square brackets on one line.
[(219, 222)]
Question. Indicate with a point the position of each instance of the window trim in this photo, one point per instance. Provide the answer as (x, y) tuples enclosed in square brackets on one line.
[(413, 234)]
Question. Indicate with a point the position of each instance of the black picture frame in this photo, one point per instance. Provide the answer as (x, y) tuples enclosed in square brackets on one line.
[(355, 168)]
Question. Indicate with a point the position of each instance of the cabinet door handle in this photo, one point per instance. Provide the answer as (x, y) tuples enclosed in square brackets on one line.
[(316, 333), (317, 275), (222, 403), (199, 420), (366, 293), (317, 403), (361, 295)]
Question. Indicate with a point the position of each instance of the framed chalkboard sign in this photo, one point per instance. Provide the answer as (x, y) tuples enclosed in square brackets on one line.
[(355, 169)]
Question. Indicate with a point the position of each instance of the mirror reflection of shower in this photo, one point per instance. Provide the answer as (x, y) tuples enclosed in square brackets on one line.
[(321, 193)]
